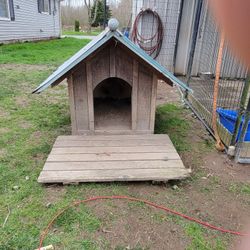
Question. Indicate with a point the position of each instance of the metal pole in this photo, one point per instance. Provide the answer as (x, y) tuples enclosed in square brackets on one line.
[(178, 32), (243, 132), (193, 44), (241, 109)]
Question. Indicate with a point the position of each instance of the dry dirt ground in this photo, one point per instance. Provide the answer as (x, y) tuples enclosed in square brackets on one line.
[(215, 194)]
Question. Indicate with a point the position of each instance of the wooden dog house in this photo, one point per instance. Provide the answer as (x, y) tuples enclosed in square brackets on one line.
[(112, 90)]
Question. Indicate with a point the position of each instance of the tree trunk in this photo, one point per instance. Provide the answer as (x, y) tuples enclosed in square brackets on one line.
[(90, 19)]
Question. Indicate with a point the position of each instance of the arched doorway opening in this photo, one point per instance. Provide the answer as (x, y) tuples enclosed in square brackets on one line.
[(112, 105)]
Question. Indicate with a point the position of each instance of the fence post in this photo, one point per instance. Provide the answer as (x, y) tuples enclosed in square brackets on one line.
[(243, 132), (241, 109), (193, 43)]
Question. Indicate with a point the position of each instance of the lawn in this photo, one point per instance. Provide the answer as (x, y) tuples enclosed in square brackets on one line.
[(29, 125), (52, 52)]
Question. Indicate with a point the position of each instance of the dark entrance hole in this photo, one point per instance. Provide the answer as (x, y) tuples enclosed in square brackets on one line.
[(112, 105)]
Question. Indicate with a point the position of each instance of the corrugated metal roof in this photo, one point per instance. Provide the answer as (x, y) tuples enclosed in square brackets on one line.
[(94, 45)]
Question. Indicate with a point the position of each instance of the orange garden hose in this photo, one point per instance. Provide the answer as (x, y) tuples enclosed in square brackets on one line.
[(149, 203), (219, 145)]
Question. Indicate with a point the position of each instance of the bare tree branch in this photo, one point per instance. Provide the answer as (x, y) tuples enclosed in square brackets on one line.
[(85, 2), (93, 20)]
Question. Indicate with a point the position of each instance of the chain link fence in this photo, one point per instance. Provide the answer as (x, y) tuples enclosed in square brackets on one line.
[(190, 49), (233, 84)]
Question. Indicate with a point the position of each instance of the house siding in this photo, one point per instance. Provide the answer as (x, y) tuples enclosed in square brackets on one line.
[(29, 24)]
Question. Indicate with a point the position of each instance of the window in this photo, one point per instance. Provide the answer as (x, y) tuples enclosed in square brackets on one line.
[(4, 9), (43, 6)]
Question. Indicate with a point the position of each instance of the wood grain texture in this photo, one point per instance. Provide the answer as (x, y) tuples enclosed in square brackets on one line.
[(111, 143), (100, 67), (144, 98), (124, 65), (153, 103), (111, 175), (111, 150), (112, 61), (81, 99), (72, 105), (99, 158), (148, 137), (134, 95), (78, 166), (90, 106)]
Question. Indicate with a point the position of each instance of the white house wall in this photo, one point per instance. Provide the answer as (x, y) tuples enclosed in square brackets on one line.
[(29, 24)]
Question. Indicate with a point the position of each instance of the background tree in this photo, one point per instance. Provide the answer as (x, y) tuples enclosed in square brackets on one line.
[(122, 10), (77, 10), (91, 18), (100, 13)]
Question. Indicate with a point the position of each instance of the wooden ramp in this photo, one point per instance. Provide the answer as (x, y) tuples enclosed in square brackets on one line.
[(102, 158)]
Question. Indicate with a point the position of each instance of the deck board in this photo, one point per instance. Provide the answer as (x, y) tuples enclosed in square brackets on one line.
[(104, 158)]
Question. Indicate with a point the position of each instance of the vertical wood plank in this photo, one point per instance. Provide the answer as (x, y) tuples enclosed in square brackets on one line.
[(100, 69), (90, 96), (153, 103), (80, 98), (124, 65), (72, 105), (134, 95), (145, 80), (112, 63)]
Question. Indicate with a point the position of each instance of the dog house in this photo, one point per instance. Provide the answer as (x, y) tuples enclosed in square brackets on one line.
[(112, 88)]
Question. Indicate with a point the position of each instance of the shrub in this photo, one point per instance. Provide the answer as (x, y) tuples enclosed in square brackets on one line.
[(77, 26)]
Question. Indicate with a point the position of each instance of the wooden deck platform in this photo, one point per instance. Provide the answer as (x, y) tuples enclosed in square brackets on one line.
[(102, 158)]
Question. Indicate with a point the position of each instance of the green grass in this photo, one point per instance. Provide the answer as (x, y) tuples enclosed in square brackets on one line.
[(239, 188), (200, 240), (170, 119), (29, 125), (82, 33), (52, 52)]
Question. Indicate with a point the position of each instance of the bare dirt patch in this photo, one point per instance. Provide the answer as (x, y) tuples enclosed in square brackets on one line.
[(53, 194), (22, 101), (167, 94), (4, 113), (129, 226), (25, 67), (25, 124), (219, 164)]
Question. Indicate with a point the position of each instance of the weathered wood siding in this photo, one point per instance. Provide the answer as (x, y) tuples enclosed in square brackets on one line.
[(109, 62), (144, 98), (29, 24)]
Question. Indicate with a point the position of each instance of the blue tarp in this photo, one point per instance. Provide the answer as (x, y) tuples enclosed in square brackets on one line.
[(228, 120)]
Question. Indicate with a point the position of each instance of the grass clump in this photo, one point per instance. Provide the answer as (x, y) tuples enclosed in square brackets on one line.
[(170, 119), (199, 241), (239, 188)]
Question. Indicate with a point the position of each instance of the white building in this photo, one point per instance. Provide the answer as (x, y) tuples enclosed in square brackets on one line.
[(23, 20)]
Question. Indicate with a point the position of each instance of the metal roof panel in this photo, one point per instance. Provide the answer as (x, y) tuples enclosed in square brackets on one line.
[(94, 45)]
